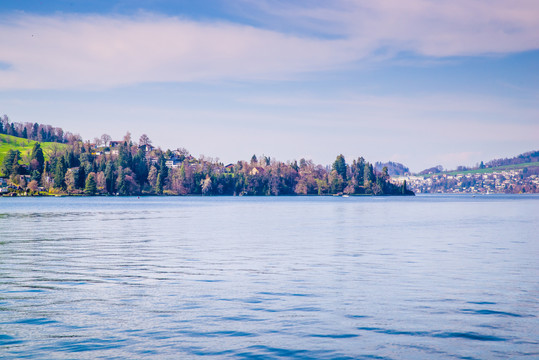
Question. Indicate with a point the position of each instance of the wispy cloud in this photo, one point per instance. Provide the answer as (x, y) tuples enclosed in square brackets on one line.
[(426, 27), (73, 51)]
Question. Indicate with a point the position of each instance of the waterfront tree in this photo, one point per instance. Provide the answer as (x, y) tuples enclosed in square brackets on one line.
[(90, 187)]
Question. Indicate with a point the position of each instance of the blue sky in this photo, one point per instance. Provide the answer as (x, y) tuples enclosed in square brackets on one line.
[(419, 82)]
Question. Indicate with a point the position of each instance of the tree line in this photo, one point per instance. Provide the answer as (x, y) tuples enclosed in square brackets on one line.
[(37, 132), (132, 168)]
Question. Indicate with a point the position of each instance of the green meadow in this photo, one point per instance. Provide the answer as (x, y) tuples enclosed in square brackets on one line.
[(8, 142)]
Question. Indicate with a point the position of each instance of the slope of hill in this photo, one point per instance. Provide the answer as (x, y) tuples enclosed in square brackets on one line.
[(394, 168), (529, 159), (522, 159), (8, 142)]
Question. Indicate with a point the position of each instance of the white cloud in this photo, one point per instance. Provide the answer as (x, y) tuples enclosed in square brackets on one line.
[(426, 27), (73, 51)]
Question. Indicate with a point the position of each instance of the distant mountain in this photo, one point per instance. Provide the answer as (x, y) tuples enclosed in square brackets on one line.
[(394, 169)]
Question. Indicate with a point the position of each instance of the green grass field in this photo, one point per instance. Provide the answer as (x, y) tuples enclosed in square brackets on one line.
[(25, 146)]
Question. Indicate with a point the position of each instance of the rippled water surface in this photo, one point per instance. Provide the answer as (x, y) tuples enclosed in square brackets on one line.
[(430, 277)]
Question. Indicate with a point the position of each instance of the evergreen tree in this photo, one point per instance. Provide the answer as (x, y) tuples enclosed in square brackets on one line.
[(122, 184), (24, 133), (124, 156), (36, 175), (71, 159), (140, 167), (91, 187), (60, 173), (162, 175), (359, 171), (10, 165), (35, 131), (336, 183), (81, 175), (159, 184), (340, 166), (110, 179), (368, 175), (37, 154), (43, 135)]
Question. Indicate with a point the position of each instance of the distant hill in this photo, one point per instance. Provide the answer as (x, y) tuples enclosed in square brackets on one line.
[(8, 142), (528, 157), (524, 160), (529, 166), (432, 170), (393, 168)]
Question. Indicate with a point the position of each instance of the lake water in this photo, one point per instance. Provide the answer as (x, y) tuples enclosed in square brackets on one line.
[(428, 277)]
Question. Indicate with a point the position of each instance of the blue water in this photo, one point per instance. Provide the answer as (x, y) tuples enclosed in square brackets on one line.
[(428, 277)]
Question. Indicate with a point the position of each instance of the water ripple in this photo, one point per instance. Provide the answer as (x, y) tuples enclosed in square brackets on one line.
[(259, 278), (436, 334), (491, 312)]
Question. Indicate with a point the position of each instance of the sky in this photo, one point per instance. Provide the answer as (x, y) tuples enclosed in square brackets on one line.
[(420, 82)]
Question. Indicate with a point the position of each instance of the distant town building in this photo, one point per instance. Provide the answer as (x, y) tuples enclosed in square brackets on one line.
[(147, 148), (503, 181)]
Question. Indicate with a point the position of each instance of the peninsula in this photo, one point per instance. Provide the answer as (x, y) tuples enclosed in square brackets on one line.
[(38, 159)]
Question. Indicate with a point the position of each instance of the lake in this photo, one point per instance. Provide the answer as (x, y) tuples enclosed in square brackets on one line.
[(426, 277)]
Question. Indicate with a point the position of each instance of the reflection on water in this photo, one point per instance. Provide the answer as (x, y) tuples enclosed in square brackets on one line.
[(430, 277)]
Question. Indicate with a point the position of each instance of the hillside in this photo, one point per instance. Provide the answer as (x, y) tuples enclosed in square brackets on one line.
[(528, 159), (394, 168), (485, 170), (522, 159), (8, 142)]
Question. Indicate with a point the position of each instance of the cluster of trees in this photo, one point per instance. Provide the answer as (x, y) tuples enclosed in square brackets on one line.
[(128, 168), (134, 171), (12, 167), (37, 132)]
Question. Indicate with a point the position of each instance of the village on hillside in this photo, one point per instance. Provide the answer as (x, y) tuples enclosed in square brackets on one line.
[(514, 181)]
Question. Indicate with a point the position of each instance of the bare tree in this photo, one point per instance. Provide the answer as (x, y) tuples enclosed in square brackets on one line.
[(206, 185), (5, 121), (33, 186), (71, 138), (144, 140), (127, 138), (105, 138), (54, 151), (59, 134)]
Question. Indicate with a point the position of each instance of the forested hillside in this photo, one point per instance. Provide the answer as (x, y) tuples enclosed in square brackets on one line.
[(127, 167)]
